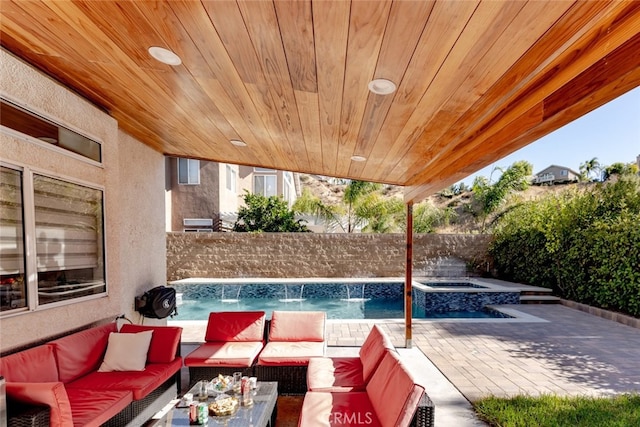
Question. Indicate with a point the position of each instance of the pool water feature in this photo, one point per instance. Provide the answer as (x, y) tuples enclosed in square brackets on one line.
[(341, 299)]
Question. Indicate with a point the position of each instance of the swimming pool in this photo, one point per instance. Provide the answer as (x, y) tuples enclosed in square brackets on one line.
[(340, 299)]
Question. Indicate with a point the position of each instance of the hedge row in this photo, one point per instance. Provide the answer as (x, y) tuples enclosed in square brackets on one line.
[(585, 245)]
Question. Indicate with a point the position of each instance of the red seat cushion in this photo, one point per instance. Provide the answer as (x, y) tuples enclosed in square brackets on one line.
[(164, 341), (290, 353), (230, 354), (141, 383), (335, 374), (323, 409), (96, 407), (80, 353), (37, 364), (373, 350), (235, 326), (297, 326)]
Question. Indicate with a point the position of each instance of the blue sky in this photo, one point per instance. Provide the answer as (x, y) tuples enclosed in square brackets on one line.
[(611, 133)]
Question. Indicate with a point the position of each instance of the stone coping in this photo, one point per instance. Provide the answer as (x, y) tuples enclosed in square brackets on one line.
[(605, 314)]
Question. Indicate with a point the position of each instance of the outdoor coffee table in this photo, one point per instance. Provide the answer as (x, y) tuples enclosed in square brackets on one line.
[(261, 414)]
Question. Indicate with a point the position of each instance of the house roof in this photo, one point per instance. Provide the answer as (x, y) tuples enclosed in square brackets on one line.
[(559, 167), (476, 80)]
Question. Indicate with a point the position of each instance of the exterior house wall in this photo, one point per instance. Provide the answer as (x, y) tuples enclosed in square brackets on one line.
[(245, 180), (229, 199), (132, 176), (194, 201), (227, 255)]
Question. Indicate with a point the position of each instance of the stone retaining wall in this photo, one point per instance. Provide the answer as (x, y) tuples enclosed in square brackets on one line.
[(227, 255)]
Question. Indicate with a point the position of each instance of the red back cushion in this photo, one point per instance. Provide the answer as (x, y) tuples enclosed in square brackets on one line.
[(393, 392), (297, 326), (373, 350), (235, 326), (164, 341), (80, 353), (37, 364)]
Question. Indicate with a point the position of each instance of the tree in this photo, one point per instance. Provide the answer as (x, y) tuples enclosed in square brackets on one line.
[(307, 203), (267, 214), (619, 169), (363, 207), (491, 196), (427, 217), (591, 167)]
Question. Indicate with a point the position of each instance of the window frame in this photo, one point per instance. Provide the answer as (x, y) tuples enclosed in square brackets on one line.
[(288, 187), (30, 239), (264, 186), (38, 114), (190, 163), (232, 179)]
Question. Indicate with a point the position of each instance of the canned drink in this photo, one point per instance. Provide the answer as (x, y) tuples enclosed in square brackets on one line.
[(193, 413), (203, 413)]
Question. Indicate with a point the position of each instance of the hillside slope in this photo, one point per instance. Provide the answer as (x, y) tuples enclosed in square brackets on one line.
[(331, 191)]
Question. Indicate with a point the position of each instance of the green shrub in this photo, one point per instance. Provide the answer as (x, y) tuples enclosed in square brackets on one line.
[(584, 245)]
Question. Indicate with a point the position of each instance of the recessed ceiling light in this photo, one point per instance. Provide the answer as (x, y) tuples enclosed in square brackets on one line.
[(382, 86), (238, 143), (165, 56), (358, 158)]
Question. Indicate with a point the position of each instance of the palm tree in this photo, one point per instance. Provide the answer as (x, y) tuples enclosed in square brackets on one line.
[(331, 215), (589, 167), (363, 207)]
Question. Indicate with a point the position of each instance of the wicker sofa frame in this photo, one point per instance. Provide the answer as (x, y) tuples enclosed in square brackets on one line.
[(425, 414)]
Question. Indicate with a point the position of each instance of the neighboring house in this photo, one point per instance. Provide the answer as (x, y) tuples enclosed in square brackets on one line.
[(205, 196), (555, 174), (197, 191), (269, 182)]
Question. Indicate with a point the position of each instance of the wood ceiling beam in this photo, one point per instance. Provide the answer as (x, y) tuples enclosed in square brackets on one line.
[(609, 78)]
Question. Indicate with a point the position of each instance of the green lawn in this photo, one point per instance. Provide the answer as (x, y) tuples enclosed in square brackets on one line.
[(555, 411)]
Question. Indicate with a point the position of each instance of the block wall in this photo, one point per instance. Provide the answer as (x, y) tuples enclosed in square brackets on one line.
[(223, 255)]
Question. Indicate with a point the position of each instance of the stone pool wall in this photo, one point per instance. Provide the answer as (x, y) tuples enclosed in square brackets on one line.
[(442, 302), (203, 292), (271, 255)]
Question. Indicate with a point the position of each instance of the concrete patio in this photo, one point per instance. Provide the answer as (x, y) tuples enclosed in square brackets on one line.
[(551, 349)]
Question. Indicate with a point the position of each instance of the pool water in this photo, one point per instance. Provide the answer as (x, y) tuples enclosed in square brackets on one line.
[(335, 308)]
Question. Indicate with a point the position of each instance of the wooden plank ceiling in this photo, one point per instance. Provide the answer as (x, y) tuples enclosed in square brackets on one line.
[(476, 79)]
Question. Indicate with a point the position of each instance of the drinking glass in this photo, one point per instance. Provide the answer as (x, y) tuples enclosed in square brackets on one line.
[(237, 382)]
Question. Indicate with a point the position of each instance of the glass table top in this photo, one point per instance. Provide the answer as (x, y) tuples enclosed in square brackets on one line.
[(257, 415)]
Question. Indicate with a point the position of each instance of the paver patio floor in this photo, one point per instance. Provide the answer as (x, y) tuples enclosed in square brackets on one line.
[(572, 353)]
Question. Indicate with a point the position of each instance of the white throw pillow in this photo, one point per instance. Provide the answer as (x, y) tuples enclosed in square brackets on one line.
[(126, 352)]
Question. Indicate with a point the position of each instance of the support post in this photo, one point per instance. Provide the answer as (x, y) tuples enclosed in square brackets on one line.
[(408, 279)]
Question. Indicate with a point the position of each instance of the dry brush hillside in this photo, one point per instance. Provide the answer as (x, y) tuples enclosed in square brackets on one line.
[(330, 191)]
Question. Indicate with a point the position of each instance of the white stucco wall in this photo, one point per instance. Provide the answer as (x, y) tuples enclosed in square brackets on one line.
[(133, 179)]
